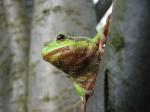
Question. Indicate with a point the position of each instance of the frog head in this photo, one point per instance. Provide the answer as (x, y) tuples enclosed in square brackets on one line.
[(69, 53)]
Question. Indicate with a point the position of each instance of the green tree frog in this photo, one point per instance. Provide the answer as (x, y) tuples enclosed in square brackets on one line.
[(79, 57)]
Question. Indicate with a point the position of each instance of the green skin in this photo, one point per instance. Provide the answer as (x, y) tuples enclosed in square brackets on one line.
[(77, 56)]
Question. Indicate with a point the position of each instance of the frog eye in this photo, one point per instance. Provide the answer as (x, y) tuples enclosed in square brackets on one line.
[(60, 37)]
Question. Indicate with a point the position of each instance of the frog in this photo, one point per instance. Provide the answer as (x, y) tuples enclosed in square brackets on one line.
[(79, 57)]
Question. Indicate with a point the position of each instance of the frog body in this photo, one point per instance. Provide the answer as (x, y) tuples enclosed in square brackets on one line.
[(75, 59), (76, 56), (79, 58)]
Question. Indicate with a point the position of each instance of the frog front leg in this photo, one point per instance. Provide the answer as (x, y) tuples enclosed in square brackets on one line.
[(89, 90)]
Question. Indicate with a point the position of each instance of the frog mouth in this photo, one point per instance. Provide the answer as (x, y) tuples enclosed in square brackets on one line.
[(63, 49)]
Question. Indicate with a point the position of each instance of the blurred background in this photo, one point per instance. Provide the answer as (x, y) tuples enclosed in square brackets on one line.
[(27, 83)]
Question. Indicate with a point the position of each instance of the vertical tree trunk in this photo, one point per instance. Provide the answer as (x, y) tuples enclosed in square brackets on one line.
[(14, 48), (127, 60), (49, 91), (4, 61)]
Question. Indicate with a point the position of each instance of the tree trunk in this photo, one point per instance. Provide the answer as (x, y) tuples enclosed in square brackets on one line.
[(125, 68), (49, 90), (14, 58), (38, 88)]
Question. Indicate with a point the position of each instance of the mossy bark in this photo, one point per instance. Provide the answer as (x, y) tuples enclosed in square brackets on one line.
[(14, 56), (125, 69), (49, 90)]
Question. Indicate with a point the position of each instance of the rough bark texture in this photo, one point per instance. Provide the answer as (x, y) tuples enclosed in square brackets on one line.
[(39, 88), (14, 50), (127, 60), (4, 61), (49, 90)]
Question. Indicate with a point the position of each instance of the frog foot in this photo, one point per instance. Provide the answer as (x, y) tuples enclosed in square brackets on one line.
[(88, 94)]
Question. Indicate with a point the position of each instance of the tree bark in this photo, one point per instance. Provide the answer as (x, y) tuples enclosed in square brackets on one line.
[(49, 90), (14, 51), (126, 61)]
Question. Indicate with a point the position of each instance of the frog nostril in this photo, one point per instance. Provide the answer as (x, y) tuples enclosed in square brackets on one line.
[(45, 44), (60, 37)]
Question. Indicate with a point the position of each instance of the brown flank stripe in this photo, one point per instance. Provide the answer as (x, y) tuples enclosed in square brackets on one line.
[(55, 51)]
